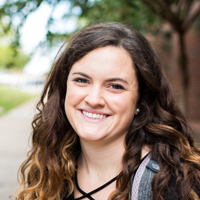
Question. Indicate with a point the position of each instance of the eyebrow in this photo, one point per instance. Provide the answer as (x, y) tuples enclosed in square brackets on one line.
[(82, 74), (107, 80), (116, 79)]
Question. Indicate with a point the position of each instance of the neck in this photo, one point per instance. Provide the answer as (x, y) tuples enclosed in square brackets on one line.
[(96, 159)]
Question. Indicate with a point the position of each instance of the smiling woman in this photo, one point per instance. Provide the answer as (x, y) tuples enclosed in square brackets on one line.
[(110, 125)]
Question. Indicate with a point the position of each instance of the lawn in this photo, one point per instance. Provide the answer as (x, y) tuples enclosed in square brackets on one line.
[(11, 97)]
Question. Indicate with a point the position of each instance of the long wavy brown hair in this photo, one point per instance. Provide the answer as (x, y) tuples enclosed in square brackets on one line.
[(48, 172)]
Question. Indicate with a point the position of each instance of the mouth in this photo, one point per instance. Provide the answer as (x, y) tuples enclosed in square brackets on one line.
[(93, 115)]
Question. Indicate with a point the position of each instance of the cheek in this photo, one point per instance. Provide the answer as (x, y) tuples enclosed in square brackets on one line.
[(123, 104), (70, 98), (71, 101), (74, 96)]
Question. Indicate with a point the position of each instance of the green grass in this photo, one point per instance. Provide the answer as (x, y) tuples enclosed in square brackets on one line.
[(11, 97)]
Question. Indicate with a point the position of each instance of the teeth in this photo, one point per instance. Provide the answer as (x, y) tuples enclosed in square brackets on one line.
[(93, 116)]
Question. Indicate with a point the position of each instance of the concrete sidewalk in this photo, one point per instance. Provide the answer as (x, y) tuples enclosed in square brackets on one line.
[(15, 129)]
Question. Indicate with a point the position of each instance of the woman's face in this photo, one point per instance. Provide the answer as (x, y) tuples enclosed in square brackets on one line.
[(102, 93)]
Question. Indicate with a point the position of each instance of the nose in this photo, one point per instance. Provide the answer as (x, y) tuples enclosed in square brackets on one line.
[(95, 97)]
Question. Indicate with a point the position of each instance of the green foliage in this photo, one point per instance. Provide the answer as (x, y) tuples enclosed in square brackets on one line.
[(145, 15), (14, 13), (131, 12), (11, 58), (11, 97)]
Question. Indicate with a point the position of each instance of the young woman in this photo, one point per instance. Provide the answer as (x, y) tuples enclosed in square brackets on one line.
[(108, 108)]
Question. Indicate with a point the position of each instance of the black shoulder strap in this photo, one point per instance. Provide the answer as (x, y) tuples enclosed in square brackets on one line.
[(153, 165)]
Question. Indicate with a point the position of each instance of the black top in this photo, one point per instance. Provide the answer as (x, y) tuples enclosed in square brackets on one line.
[(171, 194), (88, 195)]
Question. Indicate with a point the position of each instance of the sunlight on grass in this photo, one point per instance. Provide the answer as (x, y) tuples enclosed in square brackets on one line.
[(11, 97)]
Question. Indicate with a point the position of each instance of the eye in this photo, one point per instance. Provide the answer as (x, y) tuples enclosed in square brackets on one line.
[(80, 80), (117, 87)]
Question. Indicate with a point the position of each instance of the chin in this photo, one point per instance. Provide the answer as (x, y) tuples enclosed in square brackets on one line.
[(90, 136)]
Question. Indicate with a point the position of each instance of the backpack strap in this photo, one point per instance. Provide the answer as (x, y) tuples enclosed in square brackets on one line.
[(138, 176), (141, 187)]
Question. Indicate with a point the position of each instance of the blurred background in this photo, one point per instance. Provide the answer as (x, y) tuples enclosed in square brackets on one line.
[(32, 31)]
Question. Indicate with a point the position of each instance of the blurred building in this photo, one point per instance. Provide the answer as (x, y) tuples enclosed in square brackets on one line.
[(167, 46)]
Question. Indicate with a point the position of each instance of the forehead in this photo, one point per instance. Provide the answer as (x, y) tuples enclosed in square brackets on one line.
[(106, 60)]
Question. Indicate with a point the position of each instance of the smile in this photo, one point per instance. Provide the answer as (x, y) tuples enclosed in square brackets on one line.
[(93, 115)]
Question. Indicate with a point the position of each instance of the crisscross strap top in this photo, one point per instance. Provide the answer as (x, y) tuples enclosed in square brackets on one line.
[(88, 195)]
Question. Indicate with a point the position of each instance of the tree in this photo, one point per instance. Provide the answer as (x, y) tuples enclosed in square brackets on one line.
[(14, 13), (12, 59), (180, 14)]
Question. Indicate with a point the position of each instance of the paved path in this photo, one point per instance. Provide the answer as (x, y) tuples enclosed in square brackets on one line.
[(15, 129)]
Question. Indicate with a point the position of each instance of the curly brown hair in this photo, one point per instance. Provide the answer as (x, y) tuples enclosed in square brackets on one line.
[(48, 172)]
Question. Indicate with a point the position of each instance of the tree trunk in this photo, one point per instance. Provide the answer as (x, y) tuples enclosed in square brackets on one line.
[(183, 63)]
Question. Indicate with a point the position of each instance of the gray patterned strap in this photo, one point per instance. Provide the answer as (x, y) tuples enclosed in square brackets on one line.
[(138, 176)]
